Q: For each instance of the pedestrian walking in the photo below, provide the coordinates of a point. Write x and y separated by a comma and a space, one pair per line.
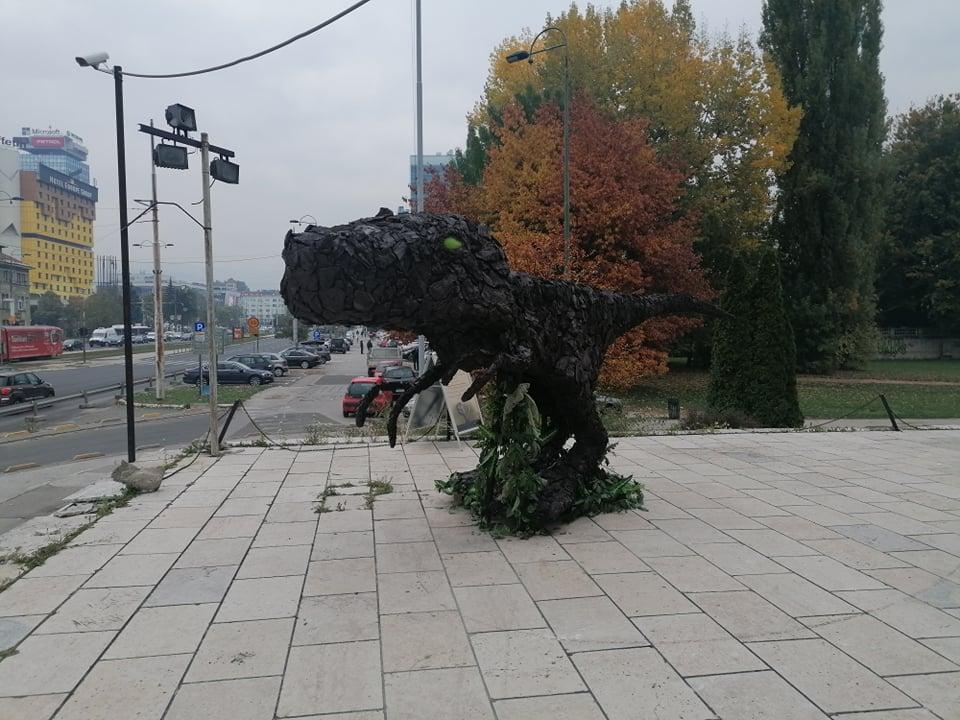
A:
369, 345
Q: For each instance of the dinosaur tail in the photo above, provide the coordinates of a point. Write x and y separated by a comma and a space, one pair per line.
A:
644, 307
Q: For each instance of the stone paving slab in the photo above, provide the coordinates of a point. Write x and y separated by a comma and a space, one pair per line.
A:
780, 576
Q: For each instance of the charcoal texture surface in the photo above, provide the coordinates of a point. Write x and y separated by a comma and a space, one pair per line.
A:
447, 278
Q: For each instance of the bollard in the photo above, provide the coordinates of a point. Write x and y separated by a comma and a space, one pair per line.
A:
673, 408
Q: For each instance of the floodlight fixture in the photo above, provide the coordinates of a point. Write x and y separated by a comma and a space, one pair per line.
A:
180, 117
225, 171
170, 156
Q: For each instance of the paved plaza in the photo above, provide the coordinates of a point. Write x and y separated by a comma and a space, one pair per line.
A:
781, 576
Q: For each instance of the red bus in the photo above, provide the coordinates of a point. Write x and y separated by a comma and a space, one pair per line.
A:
29, 342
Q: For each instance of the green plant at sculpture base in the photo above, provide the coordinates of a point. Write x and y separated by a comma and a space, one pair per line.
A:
503, 492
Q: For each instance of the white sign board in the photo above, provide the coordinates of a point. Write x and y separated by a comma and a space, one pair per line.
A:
465, 416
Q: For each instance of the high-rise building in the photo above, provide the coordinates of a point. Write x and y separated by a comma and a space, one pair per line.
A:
57, 212
432, 165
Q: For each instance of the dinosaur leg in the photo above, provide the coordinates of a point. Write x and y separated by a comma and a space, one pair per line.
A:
581, 464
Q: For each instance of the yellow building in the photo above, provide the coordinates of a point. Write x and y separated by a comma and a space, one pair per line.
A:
57, 214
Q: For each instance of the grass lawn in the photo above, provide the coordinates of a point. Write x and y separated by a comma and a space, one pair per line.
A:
939, 370
825, 400
188, 394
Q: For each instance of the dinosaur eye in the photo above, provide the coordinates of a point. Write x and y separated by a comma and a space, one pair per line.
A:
452, 243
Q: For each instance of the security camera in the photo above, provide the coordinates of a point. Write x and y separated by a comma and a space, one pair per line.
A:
92, 60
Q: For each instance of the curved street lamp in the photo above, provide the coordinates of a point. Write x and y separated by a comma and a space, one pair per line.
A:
300, 221
528, 56
12, 198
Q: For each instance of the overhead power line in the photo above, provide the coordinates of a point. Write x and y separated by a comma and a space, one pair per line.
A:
247, 58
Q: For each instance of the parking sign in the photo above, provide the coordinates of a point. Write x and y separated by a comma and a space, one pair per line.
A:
316, 335
198, 326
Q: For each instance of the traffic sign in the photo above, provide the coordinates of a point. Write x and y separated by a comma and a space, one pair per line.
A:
317, 335
253, 324
198, 327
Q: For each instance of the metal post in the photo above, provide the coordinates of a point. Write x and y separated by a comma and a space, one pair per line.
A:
566, 161
886, 406
296, 333
421, 342
124, 264
211, 314
157, 281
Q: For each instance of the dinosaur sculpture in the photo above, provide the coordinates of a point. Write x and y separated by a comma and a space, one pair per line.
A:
444, 277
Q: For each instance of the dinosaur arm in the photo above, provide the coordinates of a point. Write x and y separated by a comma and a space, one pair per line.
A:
365, 404
523, 360
432, 375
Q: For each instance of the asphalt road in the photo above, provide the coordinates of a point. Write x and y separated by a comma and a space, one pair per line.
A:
69, 377
180, 429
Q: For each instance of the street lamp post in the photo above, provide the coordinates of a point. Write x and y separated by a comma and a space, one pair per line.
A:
98, 62
528, 55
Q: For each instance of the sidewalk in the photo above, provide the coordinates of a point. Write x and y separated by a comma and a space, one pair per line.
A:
789, 577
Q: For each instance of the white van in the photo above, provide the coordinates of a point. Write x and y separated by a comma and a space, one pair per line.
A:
106, 337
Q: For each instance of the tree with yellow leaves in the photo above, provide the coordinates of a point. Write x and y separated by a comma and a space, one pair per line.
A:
713, 108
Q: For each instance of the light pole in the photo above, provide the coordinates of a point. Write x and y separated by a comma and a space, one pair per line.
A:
528, 55
183, 120
421, 340
98, 62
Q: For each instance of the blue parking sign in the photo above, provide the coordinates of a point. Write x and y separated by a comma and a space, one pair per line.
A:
316, 335
198, 327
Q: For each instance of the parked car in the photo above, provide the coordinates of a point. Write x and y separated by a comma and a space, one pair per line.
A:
355, 392
72, 344
230, 373
399, 375
138, 339
303, 358
151, 337
23, 387
317, 347
260, 361
339, 345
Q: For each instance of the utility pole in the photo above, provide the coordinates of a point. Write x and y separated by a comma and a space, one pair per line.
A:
296, 333
421, 342
157, 281
211, 314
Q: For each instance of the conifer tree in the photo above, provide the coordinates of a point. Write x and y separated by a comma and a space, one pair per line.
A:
831, 198
753, 369
770, 391
731, 335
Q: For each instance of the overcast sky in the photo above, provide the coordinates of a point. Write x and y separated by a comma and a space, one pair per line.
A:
326, 125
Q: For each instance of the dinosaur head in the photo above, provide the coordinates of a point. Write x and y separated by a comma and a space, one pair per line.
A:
418, 272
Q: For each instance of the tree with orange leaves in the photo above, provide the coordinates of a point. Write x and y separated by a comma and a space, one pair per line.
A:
629, 231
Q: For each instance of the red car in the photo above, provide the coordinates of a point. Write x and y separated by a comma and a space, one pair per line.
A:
359, 387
